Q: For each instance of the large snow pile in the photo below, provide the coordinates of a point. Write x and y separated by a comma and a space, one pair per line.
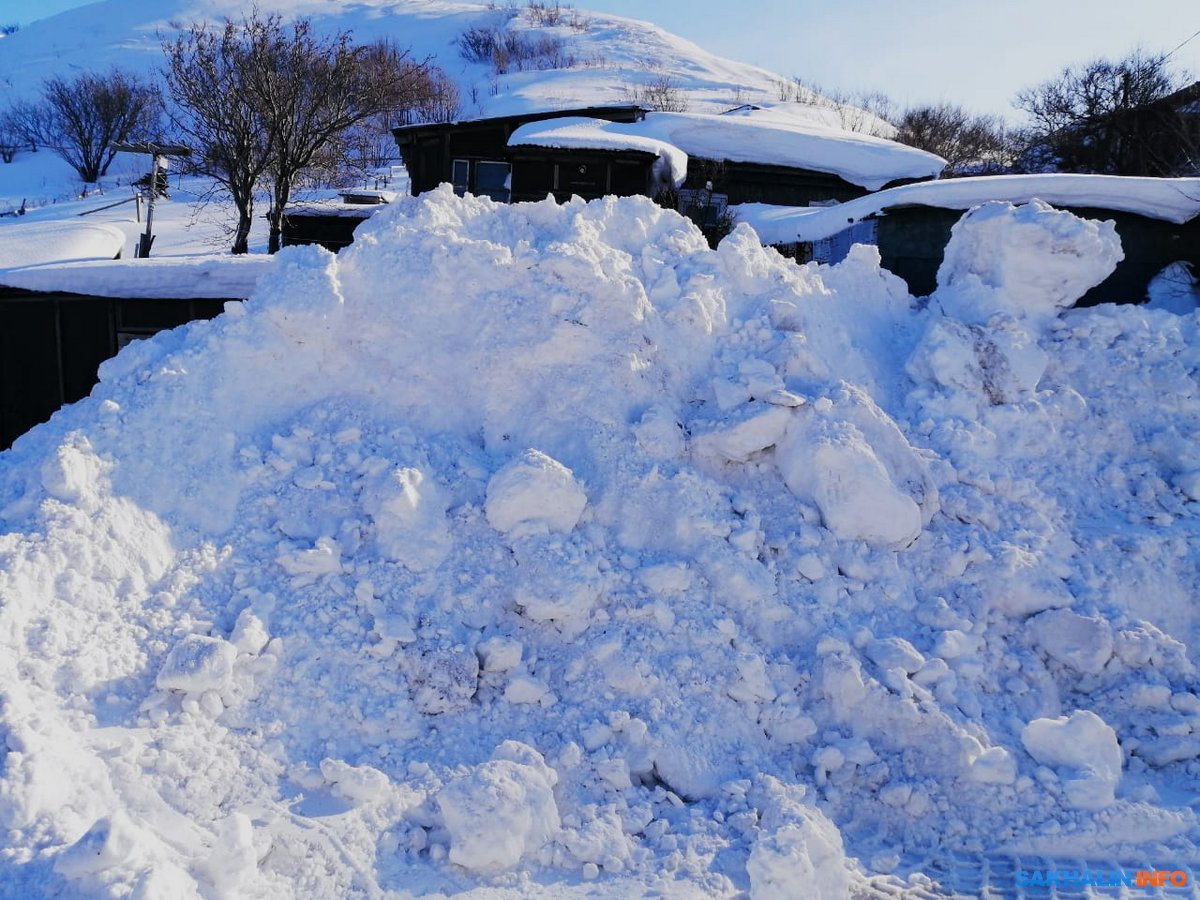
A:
543, 547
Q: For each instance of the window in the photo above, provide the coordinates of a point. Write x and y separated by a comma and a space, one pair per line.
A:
702, 206
493, 179
460, 175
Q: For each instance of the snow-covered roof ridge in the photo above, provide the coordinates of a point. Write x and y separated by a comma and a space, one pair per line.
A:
783, 135
1169, 199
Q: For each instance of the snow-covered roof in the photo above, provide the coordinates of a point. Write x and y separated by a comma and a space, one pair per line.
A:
578, 133
183, 278
1169, 199
777, 135
33, 243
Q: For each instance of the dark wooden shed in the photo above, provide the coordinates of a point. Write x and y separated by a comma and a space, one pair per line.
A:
912, 243
51, 345
474, 156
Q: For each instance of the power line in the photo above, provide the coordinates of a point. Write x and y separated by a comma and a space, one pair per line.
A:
1181, 46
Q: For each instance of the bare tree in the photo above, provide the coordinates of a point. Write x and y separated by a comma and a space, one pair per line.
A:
264, 102
207, 74
371, 145
11, 139
1107, 116
312, 90
970, 144
82, 119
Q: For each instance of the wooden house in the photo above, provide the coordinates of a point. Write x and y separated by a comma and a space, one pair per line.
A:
702, 162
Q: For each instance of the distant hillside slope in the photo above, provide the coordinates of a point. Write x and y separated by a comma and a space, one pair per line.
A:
610, 59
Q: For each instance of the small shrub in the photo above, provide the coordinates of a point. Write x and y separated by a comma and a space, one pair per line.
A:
477, 44
661, 94
546, 13
511, 51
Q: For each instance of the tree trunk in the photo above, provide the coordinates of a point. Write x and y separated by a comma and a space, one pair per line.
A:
241, 235
283, 191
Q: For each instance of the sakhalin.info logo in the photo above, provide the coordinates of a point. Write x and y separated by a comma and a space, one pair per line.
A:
1079, 878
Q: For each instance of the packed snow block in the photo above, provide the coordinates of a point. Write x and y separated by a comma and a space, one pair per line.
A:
1085, 753
500, 811
409, 514
799, 851
534, 494
197, 664
1029, 260
1083, 643
828, 462
750, 429
358, 784
895, 653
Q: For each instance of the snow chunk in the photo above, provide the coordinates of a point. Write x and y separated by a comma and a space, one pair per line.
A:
829, 463
197, 664
1084, 750
799, 851
501, 811
895, 653
1085, 643
995, 765
358, 784
534, 493
249, 633
410, 518
499, 654
756, 427
1024, 260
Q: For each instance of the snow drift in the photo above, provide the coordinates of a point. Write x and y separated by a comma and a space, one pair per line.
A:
539, 545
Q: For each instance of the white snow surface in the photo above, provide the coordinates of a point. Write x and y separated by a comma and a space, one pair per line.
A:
34, 243
776, 134
613, 57
1170, 199
277, 623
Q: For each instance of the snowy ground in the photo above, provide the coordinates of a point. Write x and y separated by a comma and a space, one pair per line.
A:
542, 550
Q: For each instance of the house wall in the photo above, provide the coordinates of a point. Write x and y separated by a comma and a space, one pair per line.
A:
51, 346
332, 230
912, 243
429, 149
566, 174
781, 185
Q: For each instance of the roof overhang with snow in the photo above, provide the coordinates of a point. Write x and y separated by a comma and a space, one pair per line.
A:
1175, 200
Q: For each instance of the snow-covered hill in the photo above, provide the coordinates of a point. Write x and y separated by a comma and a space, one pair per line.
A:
612, 57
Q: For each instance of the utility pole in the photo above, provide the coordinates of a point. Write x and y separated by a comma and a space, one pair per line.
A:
158, 159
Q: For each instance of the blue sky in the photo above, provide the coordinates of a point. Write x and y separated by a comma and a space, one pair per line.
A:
974, 52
